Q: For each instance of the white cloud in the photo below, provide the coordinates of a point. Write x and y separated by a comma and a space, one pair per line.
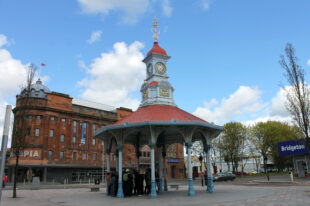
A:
131, 10
3, 40
205, 4
308, 62
246, 105
245, 100
95, 36
113, 76
277, 107
167, 9
12, 76
10, 69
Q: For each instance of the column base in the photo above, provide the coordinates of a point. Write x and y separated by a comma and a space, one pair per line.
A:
165, 185
120, 193
107, 190
191, 191
210, 185
153, 189
160, 189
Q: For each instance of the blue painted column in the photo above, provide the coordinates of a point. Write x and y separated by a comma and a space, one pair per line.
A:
103, 163
153, 181
165, 170
120, 193
191, 191
108, 168
209, 170
160, 186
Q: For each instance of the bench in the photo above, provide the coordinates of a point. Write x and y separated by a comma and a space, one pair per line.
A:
174, 186
95, 189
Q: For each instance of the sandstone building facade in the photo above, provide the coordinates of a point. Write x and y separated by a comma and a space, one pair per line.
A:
59, 143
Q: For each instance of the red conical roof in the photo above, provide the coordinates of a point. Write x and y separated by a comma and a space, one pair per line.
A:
159, 113
157, 49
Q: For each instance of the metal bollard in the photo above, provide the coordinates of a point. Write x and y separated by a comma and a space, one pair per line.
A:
292, 177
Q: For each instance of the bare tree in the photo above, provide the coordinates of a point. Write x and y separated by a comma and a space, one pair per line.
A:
297, 95
20, 126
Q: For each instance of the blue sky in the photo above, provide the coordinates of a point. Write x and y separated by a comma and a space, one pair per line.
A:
225, 54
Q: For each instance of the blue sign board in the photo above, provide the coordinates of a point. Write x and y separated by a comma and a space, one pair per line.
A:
293, 147
174, 160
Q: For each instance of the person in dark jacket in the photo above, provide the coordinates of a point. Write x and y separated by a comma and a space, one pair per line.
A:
148, 181
136, 182
112, 184
129, 184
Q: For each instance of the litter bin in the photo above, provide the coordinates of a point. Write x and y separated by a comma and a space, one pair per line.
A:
35, 183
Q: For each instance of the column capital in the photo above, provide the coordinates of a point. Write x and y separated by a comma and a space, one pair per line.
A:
189, 144
120, 148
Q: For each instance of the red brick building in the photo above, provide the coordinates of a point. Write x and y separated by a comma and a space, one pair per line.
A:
59, 138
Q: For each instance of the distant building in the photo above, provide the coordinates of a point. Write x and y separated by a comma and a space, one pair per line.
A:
59, 137
59, 132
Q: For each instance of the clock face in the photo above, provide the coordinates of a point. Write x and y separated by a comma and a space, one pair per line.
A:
149, 68
160, 68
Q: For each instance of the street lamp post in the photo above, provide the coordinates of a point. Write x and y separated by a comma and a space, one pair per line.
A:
266, 168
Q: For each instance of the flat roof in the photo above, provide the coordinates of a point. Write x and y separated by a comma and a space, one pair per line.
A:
95, 105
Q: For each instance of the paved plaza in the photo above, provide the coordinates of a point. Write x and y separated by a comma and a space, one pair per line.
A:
232, 194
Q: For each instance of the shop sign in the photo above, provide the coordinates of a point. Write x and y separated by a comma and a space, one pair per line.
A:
293, 147
27, 153
173, 160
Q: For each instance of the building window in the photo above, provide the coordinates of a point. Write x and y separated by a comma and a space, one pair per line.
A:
61, 155
37, 132
74, 155
94, 141
39, 117
94, 156
51, 133
94, 128
29, 116
28, 131
63, 119
50, 154
144, 154
52, 117
84, 156
112, 158
84, 132
62, 138
129, 151
148, 154
74, 139
129, 161
74, 127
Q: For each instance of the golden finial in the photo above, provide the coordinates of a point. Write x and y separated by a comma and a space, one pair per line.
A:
155, 30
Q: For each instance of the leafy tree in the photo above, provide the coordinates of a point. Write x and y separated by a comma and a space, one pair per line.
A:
231, 145
265, 137
298, 94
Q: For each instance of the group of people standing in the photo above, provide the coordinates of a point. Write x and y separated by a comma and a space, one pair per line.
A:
134, 182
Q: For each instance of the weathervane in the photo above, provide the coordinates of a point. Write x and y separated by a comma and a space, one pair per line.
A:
155, 30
